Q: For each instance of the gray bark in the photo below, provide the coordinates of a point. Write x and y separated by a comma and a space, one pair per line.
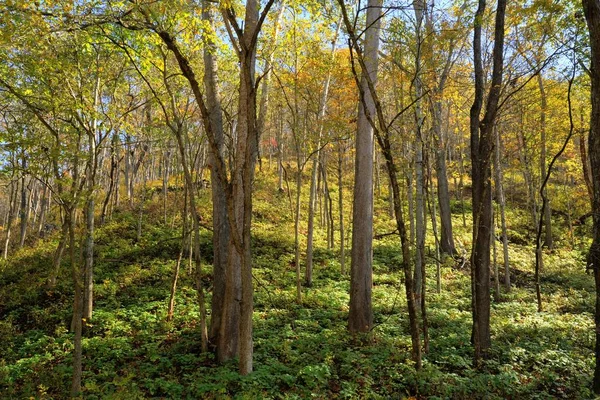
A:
361, 275
548, 240
502, 203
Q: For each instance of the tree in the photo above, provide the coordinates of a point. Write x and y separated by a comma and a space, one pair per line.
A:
361, 268
591, 9
381, 130
482, 146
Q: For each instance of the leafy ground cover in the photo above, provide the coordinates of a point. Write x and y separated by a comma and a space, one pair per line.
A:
301, 351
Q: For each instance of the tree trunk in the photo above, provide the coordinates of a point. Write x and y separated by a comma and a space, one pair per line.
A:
482, 145
419, 9
315, 169
297, 230
44, 205
585, 165
311, 222
221, 229
592, 15
527, 174
12, 207
502, 203
24, 208
443, 193
77, 322
434, 227
184, 217
361, 268
56, 260
548, 240
340, 169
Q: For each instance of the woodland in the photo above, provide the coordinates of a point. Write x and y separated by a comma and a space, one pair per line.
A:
213, 199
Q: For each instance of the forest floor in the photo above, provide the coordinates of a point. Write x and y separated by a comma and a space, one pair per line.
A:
300, 351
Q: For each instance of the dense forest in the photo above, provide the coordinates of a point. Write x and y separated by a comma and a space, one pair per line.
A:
295, 199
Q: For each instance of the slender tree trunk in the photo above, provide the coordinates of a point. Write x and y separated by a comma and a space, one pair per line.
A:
411, 203
279, 140
89, 213
434, 227
502, 204
297, 230
176, 269
419, 9
495, 257
406, 261
45, 202
114, 171
315, 170
24, 208
443, 193
165, 181
12, 207
585, 165
340, 169
308, 272
58, 254
77, 325
460, 189
527, 174
548, 240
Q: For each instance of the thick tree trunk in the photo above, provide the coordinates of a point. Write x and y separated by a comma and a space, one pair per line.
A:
239, 187
221, 229
592, 15
482, 145
361, 269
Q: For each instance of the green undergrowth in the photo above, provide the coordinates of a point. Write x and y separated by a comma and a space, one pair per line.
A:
301, 350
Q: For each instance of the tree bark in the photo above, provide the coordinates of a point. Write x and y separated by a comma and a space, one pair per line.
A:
340, 169
77, 322
592, 14
548, 240
24, 208
221, 229
361, 268
443, 193
12, 210
482, 145
502, 203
